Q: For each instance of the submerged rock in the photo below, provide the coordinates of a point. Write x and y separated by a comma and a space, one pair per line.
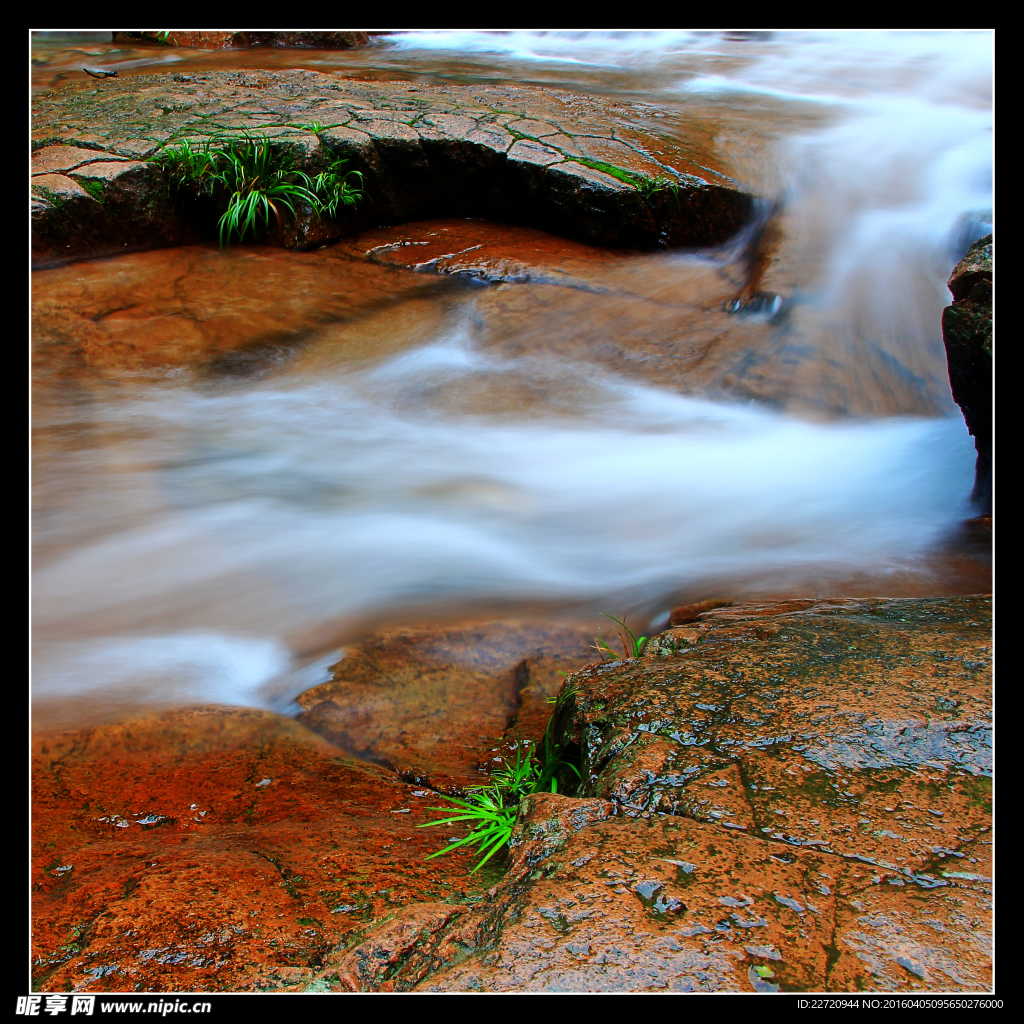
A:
967, 334
194, 306
576, 166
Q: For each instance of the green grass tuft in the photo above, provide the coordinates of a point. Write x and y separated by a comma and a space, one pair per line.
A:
254, 181
632, 646
649, 187
492, 810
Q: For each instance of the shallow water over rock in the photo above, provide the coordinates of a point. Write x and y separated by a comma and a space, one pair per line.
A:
245, 458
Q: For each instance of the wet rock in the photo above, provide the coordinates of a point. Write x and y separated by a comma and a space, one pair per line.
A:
62, 159
691, 612
893, 937
788, 796
219, 849
100, 207
658, 317
668, 904
545, 823
436, 705
394, 955
489, 252
640, 314
967, 334
873, 870
662, 904
197, 306
854, 733
569, 164
860, 727
665, 903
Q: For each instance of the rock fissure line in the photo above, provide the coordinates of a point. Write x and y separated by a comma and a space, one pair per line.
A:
454, 164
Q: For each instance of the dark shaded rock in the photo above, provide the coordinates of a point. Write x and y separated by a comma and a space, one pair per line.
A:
101, 206
967, 334
568, 164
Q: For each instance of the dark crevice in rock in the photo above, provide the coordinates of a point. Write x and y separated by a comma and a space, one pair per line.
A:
458, 161
967, 335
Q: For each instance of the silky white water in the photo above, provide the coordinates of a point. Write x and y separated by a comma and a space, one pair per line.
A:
223, 524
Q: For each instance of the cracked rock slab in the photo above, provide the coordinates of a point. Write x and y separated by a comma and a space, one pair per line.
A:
726, 842
859, 727
543, 158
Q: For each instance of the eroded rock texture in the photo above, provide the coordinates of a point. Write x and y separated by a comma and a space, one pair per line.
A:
218, 849
569, 164
791, 796
784, 796
967, 333
436, 705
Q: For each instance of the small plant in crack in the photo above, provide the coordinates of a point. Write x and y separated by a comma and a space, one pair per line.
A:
255, 180
491, 810
568, 690
632, 645
650, 187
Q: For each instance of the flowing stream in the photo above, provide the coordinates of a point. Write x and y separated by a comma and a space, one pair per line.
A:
216, 536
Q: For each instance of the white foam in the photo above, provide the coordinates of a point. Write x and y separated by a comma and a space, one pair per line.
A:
170, 669
300, 503
260, 510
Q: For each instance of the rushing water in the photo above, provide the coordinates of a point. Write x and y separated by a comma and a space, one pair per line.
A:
203, 539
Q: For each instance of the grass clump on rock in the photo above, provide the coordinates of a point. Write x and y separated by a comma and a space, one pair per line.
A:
632, 645
254, 180
492, 810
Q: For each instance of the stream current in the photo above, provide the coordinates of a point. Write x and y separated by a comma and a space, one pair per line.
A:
216, 536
